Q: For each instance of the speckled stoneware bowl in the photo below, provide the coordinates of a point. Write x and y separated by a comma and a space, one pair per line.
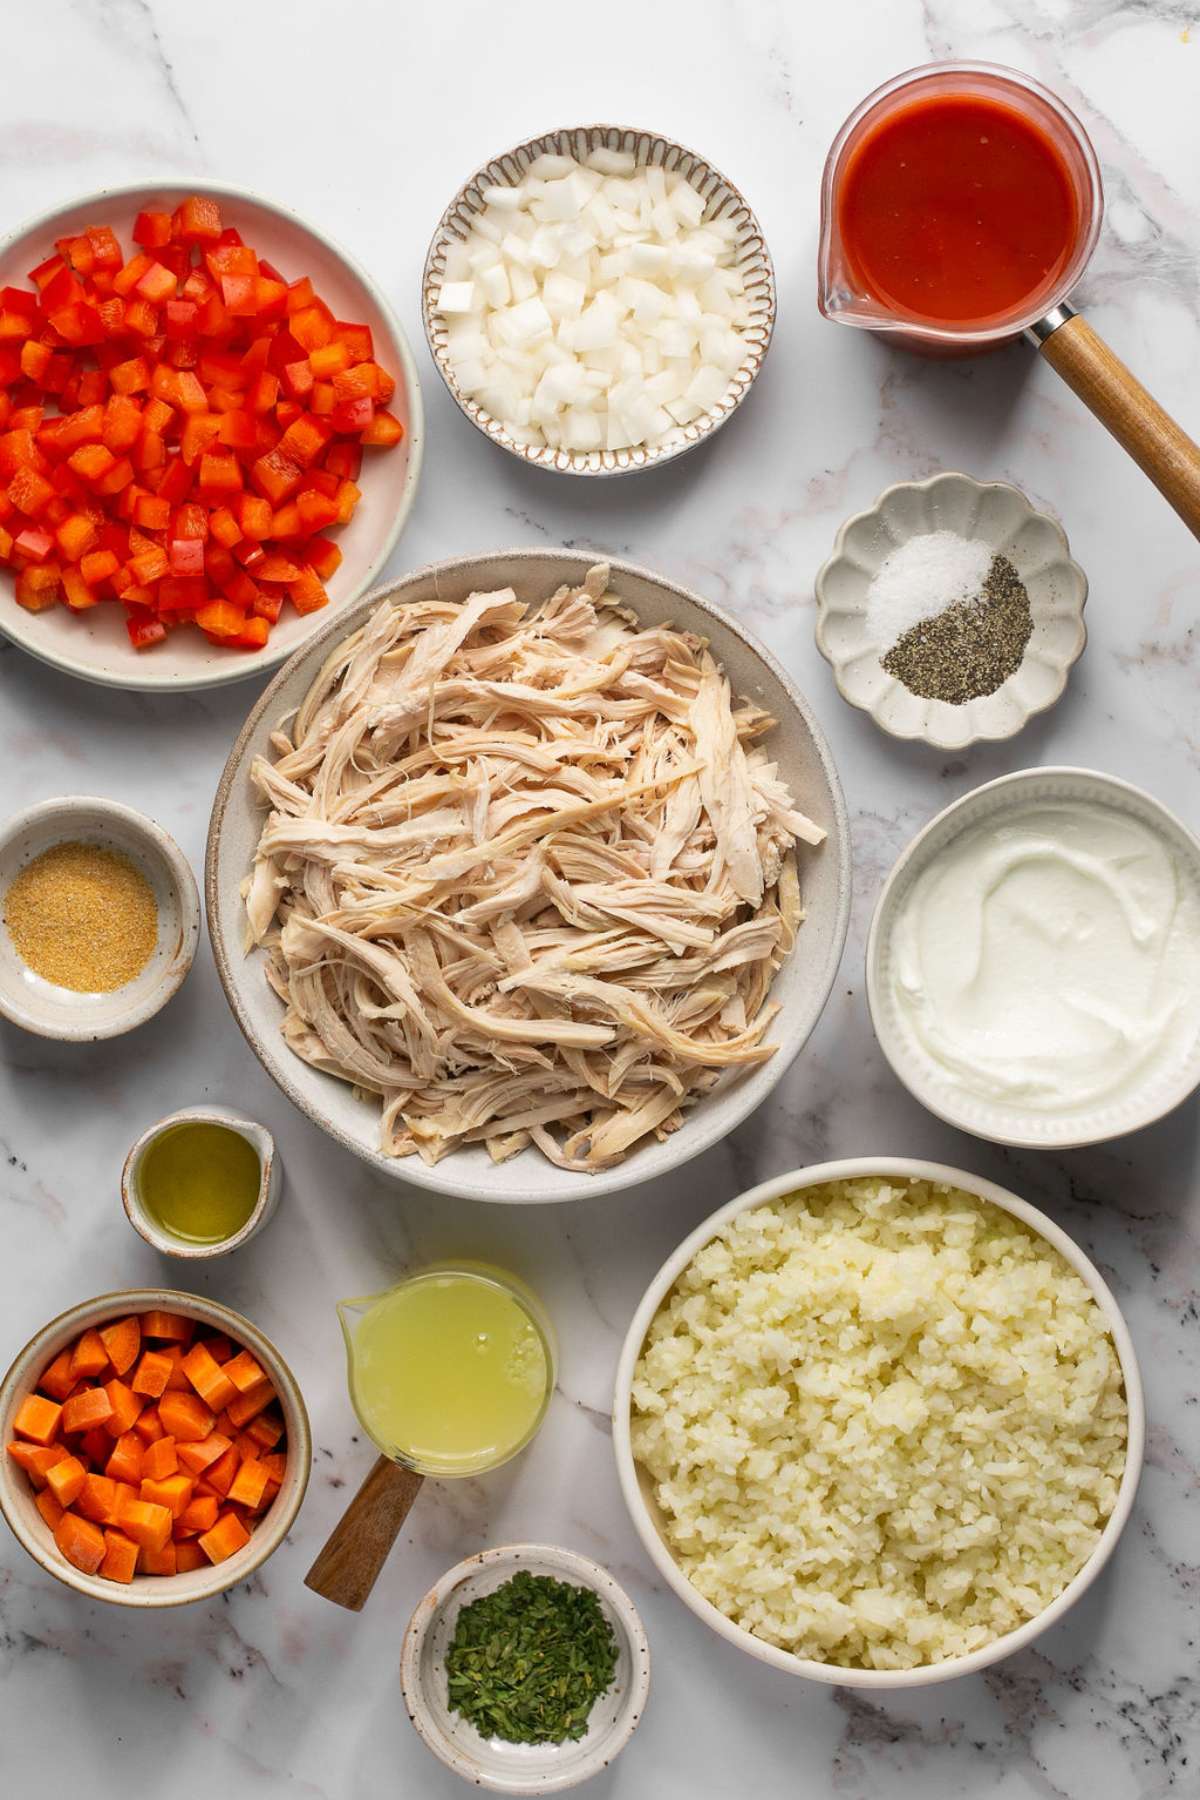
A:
489, 1762
637, 1488
1034, 543
147, 1592
270, 1183
1142, 1099
57, 1012
95, 645
723, 200
801, 987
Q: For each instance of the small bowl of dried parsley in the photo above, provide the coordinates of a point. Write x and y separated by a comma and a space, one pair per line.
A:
99, 918
951, 610
525, 1669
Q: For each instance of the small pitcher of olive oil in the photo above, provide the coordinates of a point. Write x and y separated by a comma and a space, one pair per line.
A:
450, 1372
201, 1182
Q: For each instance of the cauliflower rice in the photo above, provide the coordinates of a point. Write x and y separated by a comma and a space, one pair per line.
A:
885, 1421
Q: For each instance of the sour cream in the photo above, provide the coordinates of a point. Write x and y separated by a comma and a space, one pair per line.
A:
1049, 959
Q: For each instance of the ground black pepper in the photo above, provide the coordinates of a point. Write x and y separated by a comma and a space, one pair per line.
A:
970, 649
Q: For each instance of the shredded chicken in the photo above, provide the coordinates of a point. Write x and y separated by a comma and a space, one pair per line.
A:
526, 875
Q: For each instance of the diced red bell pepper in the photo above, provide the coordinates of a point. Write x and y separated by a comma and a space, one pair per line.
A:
143, 628
198, 220
152, 230
384, 431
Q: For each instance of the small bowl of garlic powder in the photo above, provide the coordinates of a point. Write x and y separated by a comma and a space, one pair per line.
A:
951, 610
598, 299
99, 918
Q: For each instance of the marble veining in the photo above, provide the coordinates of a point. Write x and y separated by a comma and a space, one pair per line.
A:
366, 118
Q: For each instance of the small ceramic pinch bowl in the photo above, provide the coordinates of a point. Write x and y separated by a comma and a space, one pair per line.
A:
638, 1488
1141, 1100
1034, 543
147, 1592
94, 646
269, 1186
489, 1762
722, 201
43, 1007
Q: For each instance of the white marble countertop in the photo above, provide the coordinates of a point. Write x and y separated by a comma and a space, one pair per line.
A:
366, 120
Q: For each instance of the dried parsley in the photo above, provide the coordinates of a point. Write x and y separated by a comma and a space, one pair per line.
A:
972, 647
529, 1660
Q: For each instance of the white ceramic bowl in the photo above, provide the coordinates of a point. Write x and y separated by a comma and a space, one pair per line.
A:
1034, 543
151, 1591
752, 259
489, 1762
801, 987
95, 645
55, 1012
270, 1182
1139, 1104
638, 1489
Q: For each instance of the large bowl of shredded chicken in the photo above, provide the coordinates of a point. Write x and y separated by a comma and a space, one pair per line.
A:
529, 877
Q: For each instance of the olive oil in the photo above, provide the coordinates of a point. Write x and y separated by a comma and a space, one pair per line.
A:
200, 1182
450, 1371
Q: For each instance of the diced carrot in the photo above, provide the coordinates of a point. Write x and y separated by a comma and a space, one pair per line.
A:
126, 1461
49, 1508
248, 1405
199, 1456
189, 1556
149, 1426
98, 1499
214, 1386
126, 1405
226, 1537
185, 1417
95, 1446
57, 1380
65, 1480
38, 1459
147, 1523
92, 1407
219, 1348
249, 1485
199, 1514
174, 1327
221, 1475
90, 1357
37, 1419
122, 1341
81, 1542
173, 1492
160, 1459
266, 1430
120, 1557
177, 1381
158, 1562
153, 1372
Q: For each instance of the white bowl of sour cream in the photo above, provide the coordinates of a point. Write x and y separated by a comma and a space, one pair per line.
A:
1033, 965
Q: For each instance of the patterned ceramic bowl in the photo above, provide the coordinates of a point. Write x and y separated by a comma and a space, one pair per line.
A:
1033, 542
722, 199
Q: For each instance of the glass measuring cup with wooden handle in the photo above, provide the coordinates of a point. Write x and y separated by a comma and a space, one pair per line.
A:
960, 204
450, 1373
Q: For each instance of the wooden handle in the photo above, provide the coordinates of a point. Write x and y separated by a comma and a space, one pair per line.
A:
357, 1548
1156, 443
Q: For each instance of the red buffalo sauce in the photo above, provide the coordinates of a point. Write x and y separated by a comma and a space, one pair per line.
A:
957, 209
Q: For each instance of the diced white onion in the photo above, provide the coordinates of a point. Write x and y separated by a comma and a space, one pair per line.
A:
592, 306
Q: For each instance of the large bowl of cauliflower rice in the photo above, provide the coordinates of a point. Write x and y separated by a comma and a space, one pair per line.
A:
878, 1422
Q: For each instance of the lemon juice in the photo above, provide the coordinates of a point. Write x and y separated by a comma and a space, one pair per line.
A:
450, 1371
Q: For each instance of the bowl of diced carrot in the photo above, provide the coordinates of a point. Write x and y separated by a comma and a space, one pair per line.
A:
210, 432
156, 1447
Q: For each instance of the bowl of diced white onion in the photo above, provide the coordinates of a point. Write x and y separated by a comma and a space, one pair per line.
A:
598, 299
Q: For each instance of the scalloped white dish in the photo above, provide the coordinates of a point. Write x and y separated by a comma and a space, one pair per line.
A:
722, 200
1003, 517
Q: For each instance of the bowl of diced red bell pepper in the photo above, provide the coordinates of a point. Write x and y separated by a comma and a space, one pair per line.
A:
154, 1448
210, 432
